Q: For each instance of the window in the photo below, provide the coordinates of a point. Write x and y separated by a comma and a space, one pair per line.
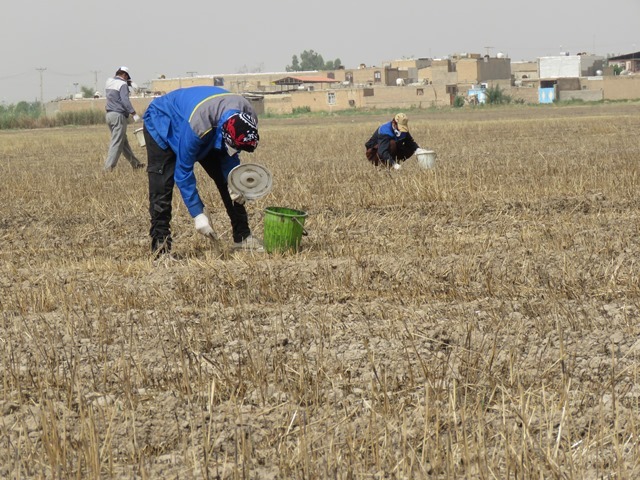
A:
420, 91
348, 77
218, 82
377, 76
331, 98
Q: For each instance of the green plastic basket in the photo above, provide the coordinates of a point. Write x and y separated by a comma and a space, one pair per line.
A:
283, 229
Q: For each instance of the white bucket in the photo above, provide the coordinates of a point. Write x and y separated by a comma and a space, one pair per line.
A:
140, 136
426, 158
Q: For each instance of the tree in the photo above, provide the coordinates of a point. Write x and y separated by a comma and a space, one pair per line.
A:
295, 65
87, 92
311, 60
333, 64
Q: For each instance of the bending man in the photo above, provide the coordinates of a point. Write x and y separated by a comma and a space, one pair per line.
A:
205, 125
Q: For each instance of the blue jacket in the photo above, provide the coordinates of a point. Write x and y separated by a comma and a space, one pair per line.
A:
189, 122
381, 139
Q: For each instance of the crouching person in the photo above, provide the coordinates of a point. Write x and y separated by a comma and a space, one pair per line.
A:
391, 144
205, 125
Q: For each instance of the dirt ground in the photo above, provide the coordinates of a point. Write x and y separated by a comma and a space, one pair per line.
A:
476, 320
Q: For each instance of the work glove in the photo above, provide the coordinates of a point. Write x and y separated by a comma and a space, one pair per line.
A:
136, 117
203, 226
237, 197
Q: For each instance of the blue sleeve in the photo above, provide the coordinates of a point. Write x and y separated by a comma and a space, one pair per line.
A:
190, 149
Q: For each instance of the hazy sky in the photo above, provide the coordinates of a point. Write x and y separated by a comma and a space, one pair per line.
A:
84, 41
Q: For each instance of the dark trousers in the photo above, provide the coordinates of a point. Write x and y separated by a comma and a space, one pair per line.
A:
161, 165
399, 152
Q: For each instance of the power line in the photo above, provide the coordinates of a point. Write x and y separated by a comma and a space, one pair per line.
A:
67, 74
15, 75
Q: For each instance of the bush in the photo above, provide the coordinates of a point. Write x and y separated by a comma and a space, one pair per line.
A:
30, 115
301, 110
495, 96
458, 101
82, 117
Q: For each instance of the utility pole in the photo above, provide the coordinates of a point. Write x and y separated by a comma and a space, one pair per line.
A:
41, 70
95, 80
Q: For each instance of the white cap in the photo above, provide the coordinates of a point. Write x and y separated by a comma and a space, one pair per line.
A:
124, 69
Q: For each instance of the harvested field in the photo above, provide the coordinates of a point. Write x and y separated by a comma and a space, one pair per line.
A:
477, 320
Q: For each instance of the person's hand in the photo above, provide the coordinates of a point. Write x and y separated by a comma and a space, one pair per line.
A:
397, 166
136, 117
203, 226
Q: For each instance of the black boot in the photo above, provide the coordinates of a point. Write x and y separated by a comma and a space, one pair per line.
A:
160, 246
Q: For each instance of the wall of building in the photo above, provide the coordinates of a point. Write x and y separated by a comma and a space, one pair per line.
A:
367, 75
523, 94
377, 97
584, 95
590, 64
439, 81
250, 82
491, 69
568, 84
467, 70
408, 63
559, 66
80, 105
423, 96
278, 104
484, 69
318, 100
620, 87
524, 70
569, 66
441, 72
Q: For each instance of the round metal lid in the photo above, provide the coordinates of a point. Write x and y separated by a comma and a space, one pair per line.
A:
251, 180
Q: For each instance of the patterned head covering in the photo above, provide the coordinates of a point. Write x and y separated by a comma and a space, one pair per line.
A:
240, 131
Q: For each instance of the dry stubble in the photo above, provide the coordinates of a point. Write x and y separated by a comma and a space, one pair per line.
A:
476, 320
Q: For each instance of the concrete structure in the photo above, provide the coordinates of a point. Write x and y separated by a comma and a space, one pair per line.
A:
562, 73
408, 68
629, 63
408, 83
351, 98
524, 74
240, 82
619, 87
569, 66
460, 73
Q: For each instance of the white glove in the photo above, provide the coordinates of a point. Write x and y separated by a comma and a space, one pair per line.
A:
237, 197
136, 117
203, 226
397, 166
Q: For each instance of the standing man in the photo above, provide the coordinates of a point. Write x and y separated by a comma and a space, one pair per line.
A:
118, 110
205, 125
391, 143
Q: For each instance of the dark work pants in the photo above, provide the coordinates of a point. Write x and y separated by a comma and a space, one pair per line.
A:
236, 212
161, 166
399, 152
